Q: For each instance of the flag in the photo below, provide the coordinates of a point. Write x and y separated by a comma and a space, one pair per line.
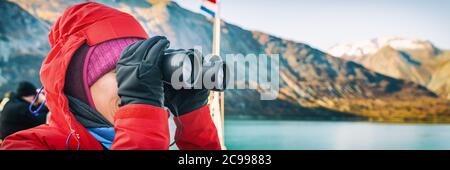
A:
210, 7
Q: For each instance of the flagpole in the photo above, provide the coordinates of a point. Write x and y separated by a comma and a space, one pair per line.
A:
218, 96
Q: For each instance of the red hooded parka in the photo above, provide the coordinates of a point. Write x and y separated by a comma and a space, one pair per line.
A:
137, 126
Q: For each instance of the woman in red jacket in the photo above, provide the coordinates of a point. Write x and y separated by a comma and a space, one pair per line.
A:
104, 90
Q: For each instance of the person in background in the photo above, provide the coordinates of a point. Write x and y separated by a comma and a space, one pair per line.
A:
16, 115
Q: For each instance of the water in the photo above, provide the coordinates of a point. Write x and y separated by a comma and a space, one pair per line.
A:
299, 135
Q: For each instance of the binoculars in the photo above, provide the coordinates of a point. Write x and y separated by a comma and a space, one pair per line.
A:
188, 69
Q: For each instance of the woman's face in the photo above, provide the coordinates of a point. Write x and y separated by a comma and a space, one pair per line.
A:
105, 95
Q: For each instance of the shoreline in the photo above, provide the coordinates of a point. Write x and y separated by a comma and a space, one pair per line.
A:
361, 119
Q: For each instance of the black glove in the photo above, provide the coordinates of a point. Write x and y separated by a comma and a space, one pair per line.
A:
184, 101
139, 74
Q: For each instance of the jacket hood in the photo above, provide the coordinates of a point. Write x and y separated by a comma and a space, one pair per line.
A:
90, 23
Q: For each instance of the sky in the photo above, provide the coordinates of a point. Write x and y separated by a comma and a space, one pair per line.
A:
324, 23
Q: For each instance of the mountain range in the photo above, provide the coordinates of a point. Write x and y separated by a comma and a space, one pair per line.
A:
403, 58
314, 84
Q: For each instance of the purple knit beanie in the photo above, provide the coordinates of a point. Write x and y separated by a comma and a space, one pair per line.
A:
89, 64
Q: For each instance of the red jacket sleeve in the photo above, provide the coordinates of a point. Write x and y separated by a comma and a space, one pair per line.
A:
37, 138
141, 127
198, 131
22, 141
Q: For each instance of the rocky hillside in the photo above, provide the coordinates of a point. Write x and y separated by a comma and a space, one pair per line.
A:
314, 85
23, 43
441, 80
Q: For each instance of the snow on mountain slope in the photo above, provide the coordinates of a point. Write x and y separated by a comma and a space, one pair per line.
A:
356, 50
